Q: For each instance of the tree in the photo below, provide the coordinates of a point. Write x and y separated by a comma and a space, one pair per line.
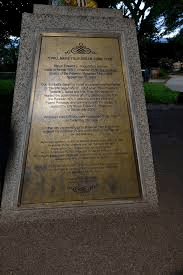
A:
11, 15
174, 17
11, 10
147, 12
147, 15
176, 44
107, 3
9, 51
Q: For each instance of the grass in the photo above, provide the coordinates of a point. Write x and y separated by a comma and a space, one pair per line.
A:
6, 91
179, 72
6, 87
159, 93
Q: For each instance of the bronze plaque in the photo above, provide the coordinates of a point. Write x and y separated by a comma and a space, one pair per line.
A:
80, 147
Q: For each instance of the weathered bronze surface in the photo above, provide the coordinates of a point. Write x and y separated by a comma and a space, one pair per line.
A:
80, 145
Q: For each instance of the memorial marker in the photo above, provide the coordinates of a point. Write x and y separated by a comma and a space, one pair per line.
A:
80, 144
79, 134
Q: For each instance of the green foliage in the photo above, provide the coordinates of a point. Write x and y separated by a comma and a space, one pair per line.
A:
7, 76
177, 45
9, 10
144, 12
164, 74
8, 56
166, 64
159, 93
179, 72
178, 39
173, 14
6, 87
62, 2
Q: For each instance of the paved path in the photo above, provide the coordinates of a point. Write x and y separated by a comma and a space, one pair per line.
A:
157, 80
175, 83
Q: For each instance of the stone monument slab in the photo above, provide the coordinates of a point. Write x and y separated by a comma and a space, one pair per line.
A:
79, 119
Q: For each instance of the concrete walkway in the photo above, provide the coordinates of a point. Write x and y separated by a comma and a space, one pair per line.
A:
175, 83
157, 80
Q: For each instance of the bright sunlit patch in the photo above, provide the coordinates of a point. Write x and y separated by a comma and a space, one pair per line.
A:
142, 5
119, 5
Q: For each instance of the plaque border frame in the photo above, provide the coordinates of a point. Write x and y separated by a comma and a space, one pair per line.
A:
29, 120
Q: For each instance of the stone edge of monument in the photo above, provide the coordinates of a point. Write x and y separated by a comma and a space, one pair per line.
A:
74, 11
64, 22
